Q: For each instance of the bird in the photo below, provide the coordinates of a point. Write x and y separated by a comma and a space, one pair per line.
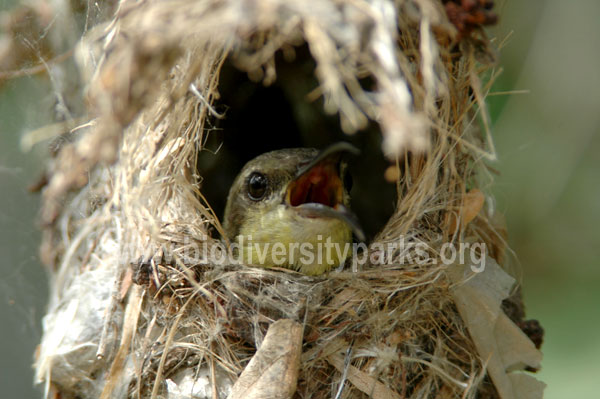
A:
287, 207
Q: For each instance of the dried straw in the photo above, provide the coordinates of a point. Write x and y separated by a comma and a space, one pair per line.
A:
133, 314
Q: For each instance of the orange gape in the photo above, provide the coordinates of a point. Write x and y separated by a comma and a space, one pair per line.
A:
321, 185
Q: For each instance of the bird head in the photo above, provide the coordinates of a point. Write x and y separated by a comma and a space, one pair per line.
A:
293, 194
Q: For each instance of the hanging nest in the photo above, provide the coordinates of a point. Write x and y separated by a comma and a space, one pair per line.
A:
140, 308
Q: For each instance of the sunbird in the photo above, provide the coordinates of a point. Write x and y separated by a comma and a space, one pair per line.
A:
287, 206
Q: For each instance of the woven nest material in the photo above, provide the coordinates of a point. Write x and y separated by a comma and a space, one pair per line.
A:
139, 309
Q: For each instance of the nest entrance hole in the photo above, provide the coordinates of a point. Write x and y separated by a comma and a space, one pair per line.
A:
259, 118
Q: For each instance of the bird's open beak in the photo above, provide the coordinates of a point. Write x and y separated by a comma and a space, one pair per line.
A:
317, 189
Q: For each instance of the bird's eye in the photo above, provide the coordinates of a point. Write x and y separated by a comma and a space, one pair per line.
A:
257, 186
348, 181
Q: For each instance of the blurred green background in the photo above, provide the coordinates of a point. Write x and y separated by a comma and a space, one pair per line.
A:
548, 143
549, 188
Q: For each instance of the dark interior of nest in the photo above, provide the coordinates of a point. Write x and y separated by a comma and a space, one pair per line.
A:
259, 118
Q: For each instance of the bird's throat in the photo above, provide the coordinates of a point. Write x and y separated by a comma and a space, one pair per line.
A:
282, 238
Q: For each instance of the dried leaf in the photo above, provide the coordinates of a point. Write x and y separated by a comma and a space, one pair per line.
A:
499, 342
132, 313
273, 371
363, 381
472, 202
527, 386
517, 350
